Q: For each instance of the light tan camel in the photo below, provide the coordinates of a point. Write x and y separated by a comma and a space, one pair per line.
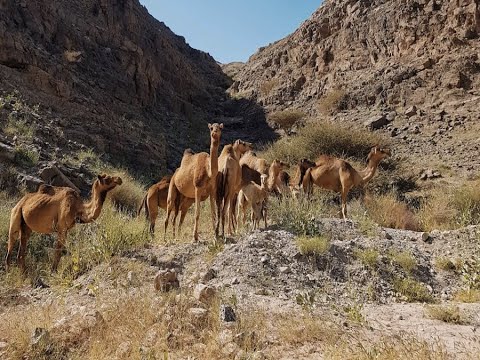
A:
296, 182
256, 196
54, 209
229, 182
273, 182
338, 175
251, 160
156, 197
196, 178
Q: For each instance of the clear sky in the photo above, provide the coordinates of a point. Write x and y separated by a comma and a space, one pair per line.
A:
231, 30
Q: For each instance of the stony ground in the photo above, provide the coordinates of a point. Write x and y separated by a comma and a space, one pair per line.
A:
264, 271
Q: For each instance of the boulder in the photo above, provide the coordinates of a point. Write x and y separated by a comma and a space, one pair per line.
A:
204, 293
165, 280
53, 176
376, 122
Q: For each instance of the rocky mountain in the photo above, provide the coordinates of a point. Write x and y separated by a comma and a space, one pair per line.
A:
108, 76
410, 67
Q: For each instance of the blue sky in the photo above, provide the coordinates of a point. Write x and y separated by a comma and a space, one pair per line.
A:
231, 30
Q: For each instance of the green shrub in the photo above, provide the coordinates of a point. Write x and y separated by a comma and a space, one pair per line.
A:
448, 314
26, 157
445, 264
317, 245
286, 118
404, 259
321, 137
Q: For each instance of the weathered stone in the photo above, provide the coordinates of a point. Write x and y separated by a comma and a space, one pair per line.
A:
53, 176
376, 122
227, 313
198, 314
7, 153
412, 110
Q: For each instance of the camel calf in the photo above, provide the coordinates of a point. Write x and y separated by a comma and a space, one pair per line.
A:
256, 196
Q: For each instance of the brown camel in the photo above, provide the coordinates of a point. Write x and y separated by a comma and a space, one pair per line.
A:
54, 209
229, 182
339, 176
196, 178
251, 160
156, 197
273, 182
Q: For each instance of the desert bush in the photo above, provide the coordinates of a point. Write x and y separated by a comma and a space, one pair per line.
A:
316, 245
445, 264
387, 211
286, 118
330, 103
19, 124
321, 137
368, 257
26, 157
298, 215
267, 86
129, 195
404, 259
412, 290
467, 295
448, 314
452, 208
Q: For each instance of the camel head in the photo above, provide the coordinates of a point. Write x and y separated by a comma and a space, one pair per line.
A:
263, 180
242, 146
106, 182
215, 131
305, 164
377, 153
279, 165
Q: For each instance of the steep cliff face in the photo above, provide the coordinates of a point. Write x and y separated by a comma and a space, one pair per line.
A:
110, 77
378, 57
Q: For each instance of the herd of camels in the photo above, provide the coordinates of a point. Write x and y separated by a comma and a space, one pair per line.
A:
235, 181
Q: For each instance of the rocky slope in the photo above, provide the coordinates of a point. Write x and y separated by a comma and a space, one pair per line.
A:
108, 76
354, 60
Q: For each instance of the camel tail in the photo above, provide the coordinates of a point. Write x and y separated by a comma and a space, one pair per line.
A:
142, 205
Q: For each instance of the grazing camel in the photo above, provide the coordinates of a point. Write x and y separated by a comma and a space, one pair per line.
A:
274, 171
295, 184
256, 196
338, 175
196, 178
156, 197
251, 160
229, 182
54, 209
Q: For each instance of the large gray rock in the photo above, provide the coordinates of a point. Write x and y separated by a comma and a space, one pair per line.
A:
53, 176
376, 122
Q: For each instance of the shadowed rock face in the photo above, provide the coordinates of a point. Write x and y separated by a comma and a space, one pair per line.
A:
113, 78
376, 57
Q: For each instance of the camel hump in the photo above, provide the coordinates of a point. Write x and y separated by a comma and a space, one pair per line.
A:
164, 183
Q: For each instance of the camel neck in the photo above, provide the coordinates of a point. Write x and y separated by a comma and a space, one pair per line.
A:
369, 171
214, 158
272, 175
237, 152
93, 208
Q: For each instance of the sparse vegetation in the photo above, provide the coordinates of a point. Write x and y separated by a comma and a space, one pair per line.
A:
452, 208
368, 257
322, 137
129, 195
404, 259
267, 86
26, 157
287, 118
354, 313
412, 290
445, 264
446, 313
317, 245
330, 103
468, 296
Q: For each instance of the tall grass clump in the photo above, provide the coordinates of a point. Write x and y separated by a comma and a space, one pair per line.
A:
313, 245
322, 137
285, 119
129, 195
331, 102
452, 208
412, 290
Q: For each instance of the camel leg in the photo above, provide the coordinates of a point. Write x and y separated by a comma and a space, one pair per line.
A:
344, 203
197, 213
12, 238
213, 200
58, 249
153, 213
264, 212
24, 236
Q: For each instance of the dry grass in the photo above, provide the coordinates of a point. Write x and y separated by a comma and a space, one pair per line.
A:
446, 313
412, 290
285, 119
317, 245
388, 212
445, 264
468, 296
267, 87
322, 137
129, 195
404, 259
330, 103
452, 208
368, 257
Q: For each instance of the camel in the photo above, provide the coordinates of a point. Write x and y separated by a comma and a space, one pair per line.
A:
273, 182
256, 196
339, 176
196, 178
251, 160
229, 182
54, 209
156, 197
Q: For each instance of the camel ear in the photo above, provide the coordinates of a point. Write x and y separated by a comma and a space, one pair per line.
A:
210, 126
238, 142
100, 178
221, 126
